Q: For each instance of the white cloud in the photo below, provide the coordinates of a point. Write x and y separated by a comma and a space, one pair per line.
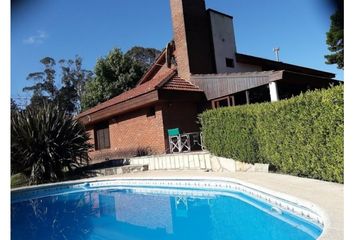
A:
37, 38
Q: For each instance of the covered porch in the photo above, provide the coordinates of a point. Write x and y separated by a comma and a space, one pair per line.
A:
231, 89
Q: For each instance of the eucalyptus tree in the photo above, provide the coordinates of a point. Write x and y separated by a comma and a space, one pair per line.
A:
64, 89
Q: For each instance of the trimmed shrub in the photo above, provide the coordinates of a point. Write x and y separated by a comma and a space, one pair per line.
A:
229, 132
302, 136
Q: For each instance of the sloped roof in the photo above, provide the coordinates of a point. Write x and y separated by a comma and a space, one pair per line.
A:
268, 64
165, 78
146, 87
223, 84
179, 84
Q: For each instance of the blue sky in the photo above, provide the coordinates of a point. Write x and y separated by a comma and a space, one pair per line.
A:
90, 28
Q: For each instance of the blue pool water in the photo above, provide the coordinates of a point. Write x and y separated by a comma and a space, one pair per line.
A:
150, 213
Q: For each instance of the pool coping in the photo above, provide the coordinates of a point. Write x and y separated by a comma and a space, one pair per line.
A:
234, 178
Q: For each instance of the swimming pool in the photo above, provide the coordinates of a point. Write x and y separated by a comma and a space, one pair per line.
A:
158, 209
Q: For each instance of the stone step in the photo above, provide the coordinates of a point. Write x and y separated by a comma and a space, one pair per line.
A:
122, 170
135, 168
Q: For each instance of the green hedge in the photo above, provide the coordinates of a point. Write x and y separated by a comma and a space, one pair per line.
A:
302, 136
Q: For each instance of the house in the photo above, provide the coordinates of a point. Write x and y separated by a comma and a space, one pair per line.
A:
199, 69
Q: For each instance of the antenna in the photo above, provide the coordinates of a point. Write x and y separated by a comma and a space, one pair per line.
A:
276, 51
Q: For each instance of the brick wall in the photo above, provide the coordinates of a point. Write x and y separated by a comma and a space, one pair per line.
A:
182, 115
181, 52
131, 131
135, 130
192, 36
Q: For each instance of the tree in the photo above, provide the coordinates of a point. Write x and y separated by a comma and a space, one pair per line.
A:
335, 39
44, 89
144, 56
46, 143
114, 74
73, 81
67, 93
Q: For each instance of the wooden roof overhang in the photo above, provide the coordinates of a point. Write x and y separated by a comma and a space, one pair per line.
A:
268, 64
221, 85
314, 81
141, 101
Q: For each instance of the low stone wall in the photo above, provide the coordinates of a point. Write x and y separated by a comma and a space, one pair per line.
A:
121, 169
196, 161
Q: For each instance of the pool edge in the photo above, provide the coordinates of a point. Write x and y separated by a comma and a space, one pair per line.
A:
325, 221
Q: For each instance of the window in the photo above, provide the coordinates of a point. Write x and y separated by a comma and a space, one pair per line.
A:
223, 102
102, 136
151, 112
230, 63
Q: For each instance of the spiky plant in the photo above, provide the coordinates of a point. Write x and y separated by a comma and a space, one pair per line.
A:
47, 144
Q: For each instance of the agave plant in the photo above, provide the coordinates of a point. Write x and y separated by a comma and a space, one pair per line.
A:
47, 144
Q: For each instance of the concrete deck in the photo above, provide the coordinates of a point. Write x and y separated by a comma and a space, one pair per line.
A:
325, 195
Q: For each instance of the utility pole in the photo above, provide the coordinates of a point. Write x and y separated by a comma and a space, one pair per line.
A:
276, 51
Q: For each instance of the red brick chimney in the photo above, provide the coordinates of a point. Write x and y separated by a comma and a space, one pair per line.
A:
192, 36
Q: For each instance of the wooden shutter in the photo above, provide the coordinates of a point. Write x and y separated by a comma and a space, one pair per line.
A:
106, 138
102, 140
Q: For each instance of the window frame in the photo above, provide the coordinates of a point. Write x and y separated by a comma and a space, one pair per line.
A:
216, 102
